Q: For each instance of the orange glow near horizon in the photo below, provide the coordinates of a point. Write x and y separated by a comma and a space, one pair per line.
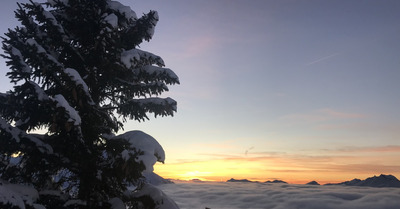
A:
292, 169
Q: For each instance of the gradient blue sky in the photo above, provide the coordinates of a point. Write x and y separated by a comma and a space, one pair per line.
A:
286, 86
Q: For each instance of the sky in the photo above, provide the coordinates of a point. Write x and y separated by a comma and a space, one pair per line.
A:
274, 89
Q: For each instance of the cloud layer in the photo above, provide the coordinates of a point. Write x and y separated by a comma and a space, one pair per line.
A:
222, 195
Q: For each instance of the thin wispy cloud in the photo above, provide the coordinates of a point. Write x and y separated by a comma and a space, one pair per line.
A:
322, 115
198, 45
379, 149
365, 168
342, 115
322, 59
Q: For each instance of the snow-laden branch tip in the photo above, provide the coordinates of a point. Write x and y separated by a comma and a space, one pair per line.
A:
41, 50
17, 53
53, 2
17, 135
112, 20
131, 58
140, 141
41, 95
18, 195
159, 71
122, 9
72, 113
77, 79
153, 24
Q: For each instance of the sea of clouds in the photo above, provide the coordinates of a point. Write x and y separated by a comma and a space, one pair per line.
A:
235, 195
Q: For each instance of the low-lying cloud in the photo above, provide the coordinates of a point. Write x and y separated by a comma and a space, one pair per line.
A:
224, 195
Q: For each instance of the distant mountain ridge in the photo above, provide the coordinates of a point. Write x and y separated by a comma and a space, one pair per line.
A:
276, 181
313, 183
248, 181
375, 181
241, 180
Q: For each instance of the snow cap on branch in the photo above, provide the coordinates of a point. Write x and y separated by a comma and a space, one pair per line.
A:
161, 200
142, 142
112, 20
72, 113
153, 22
16, 53
131, 58
123, 10
18, 195
53, 2
17, 135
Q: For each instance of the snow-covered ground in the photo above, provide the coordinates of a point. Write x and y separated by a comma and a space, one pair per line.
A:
234, 195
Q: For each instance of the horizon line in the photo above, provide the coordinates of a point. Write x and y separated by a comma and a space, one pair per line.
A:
323, 182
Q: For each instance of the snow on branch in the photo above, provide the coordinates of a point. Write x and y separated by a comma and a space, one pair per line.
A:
153, 19
41, 95
146, 25
122, 9
144, 89
77, 79
12, 131
112, 20
117, 203
136, 57
72, 113
18, 135
75, 203
137, 108
17, 56
42, 51
49, 18
53, 21
157, 102
18, 196
54, 2
143, 143
159, 73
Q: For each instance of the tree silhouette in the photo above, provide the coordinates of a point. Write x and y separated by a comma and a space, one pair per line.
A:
78, 75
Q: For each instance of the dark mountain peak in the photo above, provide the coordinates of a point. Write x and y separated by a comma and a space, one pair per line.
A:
388, 177
353, 182
381, 181
313, 183
375, 181
276, 181
238, 180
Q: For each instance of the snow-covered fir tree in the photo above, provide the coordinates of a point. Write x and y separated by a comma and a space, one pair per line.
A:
78, 74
